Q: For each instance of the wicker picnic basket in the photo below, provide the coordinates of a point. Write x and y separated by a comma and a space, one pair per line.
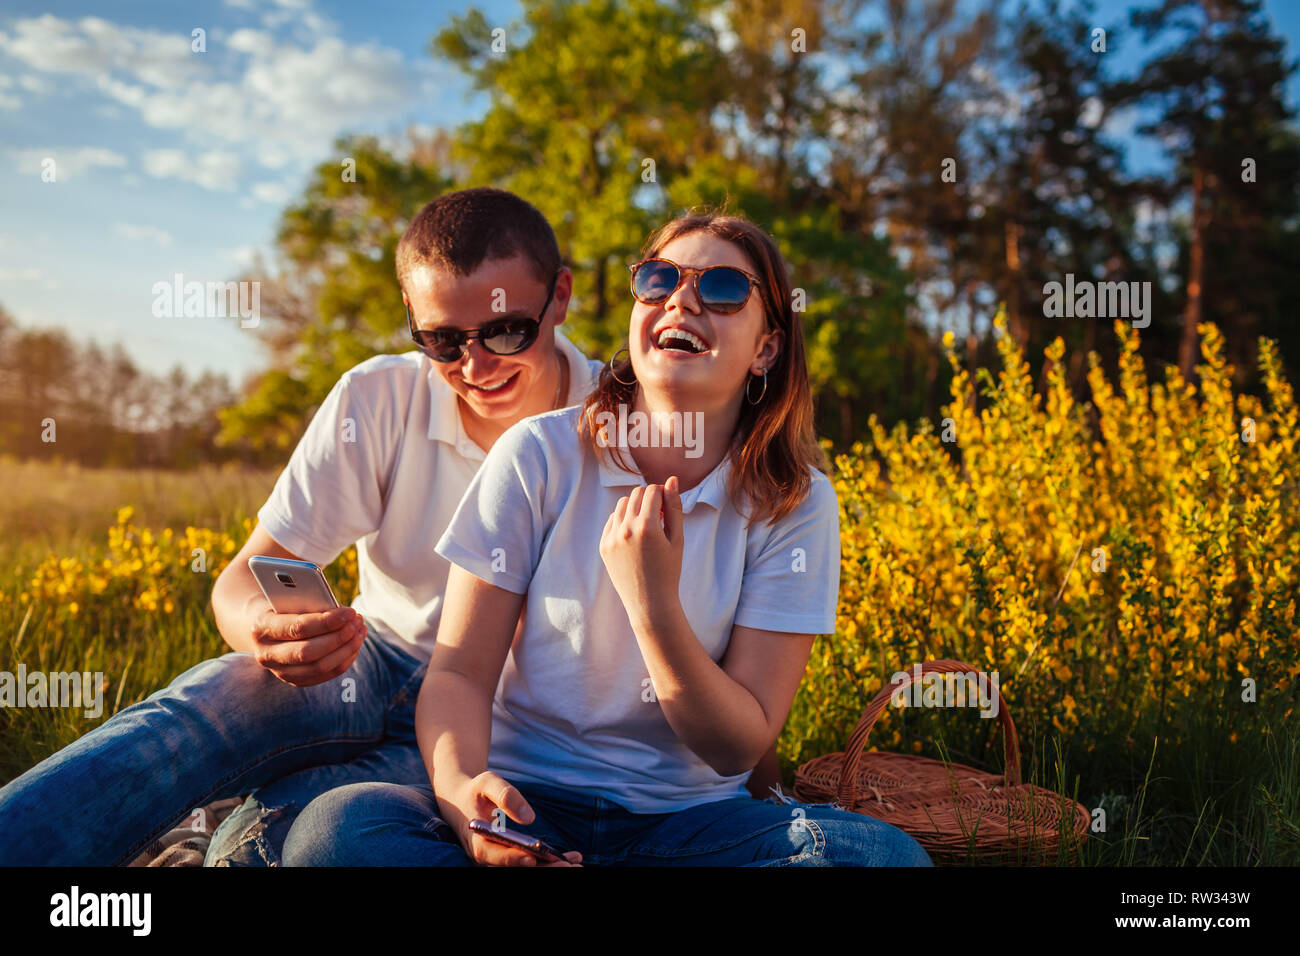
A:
958, 813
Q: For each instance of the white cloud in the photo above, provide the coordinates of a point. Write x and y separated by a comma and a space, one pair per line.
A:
256, 42
133, 96
274, 193
255, 88
242, 256
68, 160
273, 155
93, 46
211, 170
252, 4
149, 233
20, 275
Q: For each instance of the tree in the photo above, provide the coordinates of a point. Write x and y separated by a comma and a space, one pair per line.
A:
1219, 88
334, 301
593, 107
1059, 199
582, 123
905, 154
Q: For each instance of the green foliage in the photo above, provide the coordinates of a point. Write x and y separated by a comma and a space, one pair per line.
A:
580, 108
612, 117
336, 303
270, 417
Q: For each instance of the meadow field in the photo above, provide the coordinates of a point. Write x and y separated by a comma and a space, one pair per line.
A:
1135, 589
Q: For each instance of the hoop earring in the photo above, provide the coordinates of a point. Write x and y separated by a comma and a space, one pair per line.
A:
748, 382
614, 375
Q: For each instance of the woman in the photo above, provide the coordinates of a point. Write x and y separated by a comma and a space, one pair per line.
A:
623, 713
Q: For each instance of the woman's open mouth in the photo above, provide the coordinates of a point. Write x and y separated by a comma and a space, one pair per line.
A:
680, 341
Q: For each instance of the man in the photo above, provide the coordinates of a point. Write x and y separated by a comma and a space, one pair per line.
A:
317, 701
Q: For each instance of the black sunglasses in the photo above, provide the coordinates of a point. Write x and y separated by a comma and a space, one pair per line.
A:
722, 289
503, 337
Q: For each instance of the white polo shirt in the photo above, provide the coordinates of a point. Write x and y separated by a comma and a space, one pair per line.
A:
384, 464
574, 706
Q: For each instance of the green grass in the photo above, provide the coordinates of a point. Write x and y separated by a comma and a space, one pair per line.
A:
1182, 795
66, 510
60, 508
1192, 798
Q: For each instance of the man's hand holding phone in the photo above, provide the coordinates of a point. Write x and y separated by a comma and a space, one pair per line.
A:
308, 649
477, 798
304, 637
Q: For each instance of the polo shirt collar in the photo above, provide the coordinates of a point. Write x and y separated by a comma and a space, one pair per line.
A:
445, 423
444, 416
711, 491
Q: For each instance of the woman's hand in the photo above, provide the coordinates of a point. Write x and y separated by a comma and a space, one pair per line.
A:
642, 548
478, 798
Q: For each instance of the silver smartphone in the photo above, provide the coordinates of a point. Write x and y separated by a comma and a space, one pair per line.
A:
292, 587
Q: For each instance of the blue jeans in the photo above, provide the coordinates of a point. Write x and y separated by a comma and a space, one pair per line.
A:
224, 727
384, 824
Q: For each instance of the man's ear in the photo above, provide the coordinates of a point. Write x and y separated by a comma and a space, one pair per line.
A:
563, 293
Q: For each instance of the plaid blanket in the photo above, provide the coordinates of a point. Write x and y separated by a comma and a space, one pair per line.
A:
186, 843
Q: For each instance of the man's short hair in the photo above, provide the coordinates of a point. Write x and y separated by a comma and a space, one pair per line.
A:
459, 230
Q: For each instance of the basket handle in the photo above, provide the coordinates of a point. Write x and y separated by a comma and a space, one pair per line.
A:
848, 789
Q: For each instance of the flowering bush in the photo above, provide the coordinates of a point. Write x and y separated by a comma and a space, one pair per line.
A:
1116, 577
140, 570
1112, 581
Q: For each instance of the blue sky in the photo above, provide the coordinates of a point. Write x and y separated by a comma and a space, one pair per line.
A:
172, 161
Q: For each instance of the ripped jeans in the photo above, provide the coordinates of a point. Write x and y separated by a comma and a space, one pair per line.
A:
382, 824
225, 727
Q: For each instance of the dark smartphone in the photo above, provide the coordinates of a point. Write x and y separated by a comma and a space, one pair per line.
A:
521, 841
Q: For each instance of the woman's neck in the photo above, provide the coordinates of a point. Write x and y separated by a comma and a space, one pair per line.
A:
686, 443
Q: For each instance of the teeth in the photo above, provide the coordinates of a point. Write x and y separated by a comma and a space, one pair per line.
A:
491, 388
694, 341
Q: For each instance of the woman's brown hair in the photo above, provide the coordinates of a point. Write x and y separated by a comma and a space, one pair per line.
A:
774, 443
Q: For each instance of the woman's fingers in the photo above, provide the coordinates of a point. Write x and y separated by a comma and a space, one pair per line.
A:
485, 852
672, 509
496, 792
634, 500
504, 795
652, 504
